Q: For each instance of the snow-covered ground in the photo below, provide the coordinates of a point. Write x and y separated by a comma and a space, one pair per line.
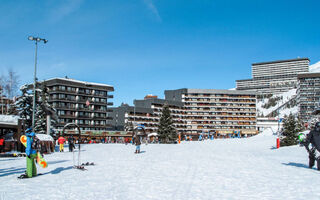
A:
247, 168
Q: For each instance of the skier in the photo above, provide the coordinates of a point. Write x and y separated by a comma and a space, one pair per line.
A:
314, 153
31, 154
71, 143
137, 142
61, 141
1, 144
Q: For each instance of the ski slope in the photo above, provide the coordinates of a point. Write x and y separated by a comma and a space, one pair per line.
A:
315, 67
247, 168
286, 96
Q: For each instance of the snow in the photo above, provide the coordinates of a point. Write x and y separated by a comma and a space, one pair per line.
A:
246, 168
44, 137
152, 134
286, 96
315, 67
82, 82
9, 119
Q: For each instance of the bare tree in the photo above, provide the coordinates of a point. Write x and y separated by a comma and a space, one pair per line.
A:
2, 85
11, 83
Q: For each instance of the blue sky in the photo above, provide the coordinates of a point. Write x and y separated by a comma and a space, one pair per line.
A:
147, 46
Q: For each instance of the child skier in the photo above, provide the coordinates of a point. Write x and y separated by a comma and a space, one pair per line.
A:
31, 154
314, 153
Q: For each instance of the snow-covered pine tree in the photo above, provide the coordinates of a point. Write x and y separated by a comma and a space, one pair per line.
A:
40, 124
300, 124
24, 106
128, 126
42, 109
13, 109
291, 127
166, 131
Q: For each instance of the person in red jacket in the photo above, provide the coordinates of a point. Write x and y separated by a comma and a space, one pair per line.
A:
61, 141
1, 144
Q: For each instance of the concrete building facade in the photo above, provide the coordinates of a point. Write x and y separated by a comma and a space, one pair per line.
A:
275, 76
308, 94
147, 113
80, 102
217, 111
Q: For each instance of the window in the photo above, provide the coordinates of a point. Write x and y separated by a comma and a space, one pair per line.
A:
61, 112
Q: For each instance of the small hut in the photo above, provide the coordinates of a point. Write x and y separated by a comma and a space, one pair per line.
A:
10, 129
47, 143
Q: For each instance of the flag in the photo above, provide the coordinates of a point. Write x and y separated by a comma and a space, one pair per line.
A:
88, 102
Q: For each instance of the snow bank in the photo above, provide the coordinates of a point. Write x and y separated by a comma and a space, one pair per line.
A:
44, 137
9, 119
268, 131
315, 67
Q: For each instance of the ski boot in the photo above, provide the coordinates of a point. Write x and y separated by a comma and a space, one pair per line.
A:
311, 161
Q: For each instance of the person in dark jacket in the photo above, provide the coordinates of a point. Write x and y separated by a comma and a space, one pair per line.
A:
137, 142
71, 143
313, 138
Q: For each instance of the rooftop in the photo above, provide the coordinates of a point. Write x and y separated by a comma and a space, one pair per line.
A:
53, 81
281, 61
309, 75
214, 91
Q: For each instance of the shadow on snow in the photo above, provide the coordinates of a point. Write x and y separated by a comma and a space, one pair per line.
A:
58, 170
11, 170
296, 165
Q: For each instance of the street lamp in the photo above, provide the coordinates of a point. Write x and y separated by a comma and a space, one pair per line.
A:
36, 39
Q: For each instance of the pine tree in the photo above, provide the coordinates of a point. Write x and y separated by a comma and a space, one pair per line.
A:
42, 109
128, 126
13, 109
291, 127
24, 106
166, 131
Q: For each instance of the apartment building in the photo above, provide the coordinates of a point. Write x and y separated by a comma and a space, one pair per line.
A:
80, 102
217, 111
147, 113
308, 94
5, 104
275, 76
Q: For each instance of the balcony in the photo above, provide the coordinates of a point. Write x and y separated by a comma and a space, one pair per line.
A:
67, 116
62, 91
85, 109
65, 107
61, 99
84, 117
